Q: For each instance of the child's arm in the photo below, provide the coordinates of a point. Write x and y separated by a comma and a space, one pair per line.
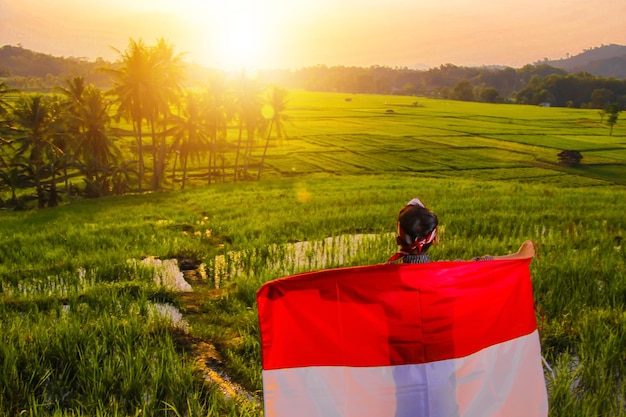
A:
527, 250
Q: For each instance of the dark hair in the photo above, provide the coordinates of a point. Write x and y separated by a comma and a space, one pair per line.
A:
417, 222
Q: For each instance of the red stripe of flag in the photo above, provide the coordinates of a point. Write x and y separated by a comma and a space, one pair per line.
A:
393, 314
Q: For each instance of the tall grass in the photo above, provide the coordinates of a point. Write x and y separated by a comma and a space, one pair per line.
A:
111, 354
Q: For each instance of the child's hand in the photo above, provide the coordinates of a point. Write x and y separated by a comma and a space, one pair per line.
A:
527, 250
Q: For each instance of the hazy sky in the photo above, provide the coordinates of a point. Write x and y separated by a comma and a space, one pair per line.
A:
299, 33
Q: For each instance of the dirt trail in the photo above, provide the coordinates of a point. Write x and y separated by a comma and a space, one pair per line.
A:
208, 359
209, 363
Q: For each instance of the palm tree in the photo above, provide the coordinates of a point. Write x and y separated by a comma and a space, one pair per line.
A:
36, 116
132, 86
4, 144
110, 179
73, 93
189, 131
5, 111
14, 177
277, 104
248, 102
169, 74
121, 172
219, 108
94, 142
145, 86
5, 106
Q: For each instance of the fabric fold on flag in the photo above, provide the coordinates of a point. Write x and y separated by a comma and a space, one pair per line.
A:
437, 339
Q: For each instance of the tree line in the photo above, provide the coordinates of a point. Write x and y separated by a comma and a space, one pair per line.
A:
531, 84
70, 142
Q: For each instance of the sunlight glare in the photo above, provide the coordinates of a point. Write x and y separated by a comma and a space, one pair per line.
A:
268, 112
237, 34
240, 45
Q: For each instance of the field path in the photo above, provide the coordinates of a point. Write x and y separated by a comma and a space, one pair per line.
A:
208, 358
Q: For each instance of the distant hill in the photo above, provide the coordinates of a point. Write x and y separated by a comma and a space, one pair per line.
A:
27, 70
16, 61
19, 62
605, 60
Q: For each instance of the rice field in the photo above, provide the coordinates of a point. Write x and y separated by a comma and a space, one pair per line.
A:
327, 134
96, 319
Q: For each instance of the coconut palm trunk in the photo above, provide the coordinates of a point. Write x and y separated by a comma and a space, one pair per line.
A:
267, 142
238, 152
139, 156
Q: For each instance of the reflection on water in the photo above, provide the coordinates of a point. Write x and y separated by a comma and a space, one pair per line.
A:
167, 273
171, 313
269, 261
291, 258
59, 285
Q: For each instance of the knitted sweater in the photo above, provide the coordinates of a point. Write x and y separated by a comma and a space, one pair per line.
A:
424, 259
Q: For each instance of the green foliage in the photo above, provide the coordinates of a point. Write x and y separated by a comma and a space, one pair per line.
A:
612, 110
110, 354
572, 90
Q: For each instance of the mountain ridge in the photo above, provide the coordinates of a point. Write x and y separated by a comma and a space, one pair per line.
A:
606, 60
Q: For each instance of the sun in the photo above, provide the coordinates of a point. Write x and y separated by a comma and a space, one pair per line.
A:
242, 45
233, 34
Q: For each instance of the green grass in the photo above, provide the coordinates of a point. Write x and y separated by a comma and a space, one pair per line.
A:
331, 135
618, 154
79, 329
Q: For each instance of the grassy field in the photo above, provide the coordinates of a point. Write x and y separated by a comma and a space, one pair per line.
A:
82, 317
337, 134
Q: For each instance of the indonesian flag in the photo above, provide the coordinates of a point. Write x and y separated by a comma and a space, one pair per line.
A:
431, 340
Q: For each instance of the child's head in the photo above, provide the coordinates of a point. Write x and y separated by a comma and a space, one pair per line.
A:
417, 227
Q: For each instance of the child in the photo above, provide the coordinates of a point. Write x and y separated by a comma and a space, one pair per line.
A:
417, 231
